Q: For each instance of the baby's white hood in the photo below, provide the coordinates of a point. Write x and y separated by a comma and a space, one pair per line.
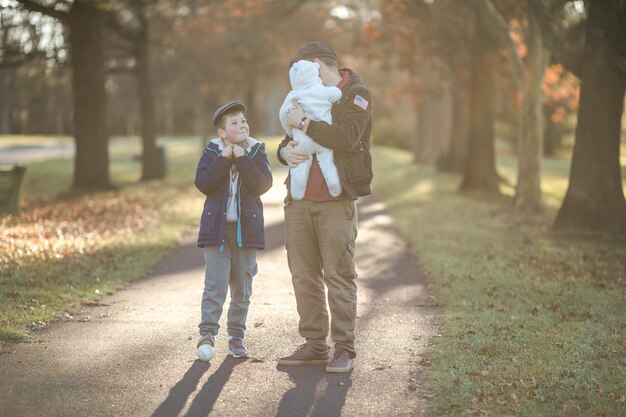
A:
304, 74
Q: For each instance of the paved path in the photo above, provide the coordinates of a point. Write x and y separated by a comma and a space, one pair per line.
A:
135, 356
24, 154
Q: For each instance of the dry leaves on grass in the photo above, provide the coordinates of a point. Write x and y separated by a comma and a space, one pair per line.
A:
68, 228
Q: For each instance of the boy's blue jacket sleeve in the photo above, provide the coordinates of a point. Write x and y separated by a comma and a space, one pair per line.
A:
212, 172
255, 171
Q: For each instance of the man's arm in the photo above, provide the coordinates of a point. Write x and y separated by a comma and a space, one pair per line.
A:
288, 154
346, 132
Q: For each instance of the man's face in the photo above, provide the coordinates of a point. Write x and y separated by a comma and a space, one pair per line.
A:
325, 73
235, 128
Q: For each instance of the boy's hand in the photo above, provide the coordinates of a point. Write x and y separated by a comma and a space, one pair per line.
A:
227, 152
238, 151
292, 156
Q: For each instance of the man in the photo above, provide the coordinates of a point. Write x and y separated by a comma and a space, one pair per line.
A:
321, 229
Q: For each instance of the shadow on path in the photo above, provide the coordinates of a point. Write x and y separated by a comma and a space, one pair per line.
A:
179, 393
302, 400
204, 401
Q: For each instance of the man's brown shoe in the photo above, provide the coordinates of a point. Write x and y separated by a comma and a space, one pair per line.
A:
305, 355
341, 362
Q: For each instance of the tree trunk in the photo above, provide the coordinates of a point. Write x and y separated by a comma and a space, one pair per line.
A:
251, 112
201, 123
552, 137
595, 199
456, 155
91, 164
168, 115
152, 159
530, 147
480, 166
421, 147
7, 99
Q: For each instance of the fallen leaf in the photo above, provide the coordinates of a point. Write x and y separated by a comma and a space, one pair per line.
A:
256, 360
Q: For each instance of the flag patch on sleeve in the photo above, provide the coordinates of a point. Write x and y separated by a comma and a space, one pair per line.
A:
361, 102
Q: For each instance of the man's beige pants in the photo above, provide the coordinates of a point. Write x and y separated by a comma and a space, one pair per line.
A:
320, 249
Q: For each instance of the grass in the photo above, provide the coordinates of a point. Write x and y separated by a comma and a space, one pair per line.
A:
534, 322
62, 251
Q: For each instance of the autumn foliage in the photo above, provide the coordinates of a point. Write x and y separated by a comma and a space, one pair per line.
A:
69, 229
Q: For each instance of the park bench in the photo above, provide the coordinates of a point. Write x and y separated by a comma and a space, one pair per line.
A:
10, 182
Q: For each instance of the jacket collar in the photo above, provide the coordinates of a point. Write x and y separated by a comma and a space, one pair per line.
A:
220, 143
354, 78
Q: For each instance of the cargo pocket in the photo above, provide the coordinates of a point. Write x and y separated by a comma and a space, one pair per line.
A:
253, 270
346, 266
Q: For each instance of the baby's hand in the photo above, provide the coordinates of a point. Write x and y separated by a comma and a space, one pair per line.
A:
227, 152
238, 151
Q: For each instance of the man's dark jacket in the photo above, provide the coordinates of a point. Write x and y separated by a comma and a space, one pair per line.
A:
348, 137
213, 179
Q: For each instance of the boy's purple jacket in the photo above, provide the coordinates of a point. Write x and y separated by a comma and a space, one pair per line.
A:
212, 179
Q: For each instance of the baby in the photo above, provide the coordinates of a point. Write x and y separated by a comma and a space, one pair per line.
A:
317, 101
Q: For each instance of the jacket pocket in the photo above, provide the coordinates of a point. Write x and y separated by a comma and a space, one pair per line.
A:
208, 224
358, 164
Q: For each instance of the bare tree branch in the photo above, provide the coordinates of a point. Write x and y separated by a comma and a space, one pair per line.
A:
33, 6
498, 32
546, 23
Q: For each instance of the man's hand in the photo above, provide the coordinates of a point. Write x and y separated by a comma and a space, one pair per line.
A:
292, 156
294, 115
238, 151
227, 152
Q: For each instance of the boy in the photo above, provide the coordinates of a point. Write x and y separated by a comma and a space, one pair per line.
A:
233, 173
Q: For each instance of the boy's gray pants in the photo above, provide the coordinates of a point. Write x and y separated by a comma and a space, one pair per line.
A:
231, 267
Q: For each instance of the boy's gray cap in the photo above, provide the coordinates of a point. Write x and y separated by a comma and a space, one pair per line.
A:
312, 50
233, 105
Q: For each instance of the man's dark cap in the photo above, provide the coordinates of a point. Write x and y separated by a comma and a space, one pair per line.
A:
228, 107
312, 50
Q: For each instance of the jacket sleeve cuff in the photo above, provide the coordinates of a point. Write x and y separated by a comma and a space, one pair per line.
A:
281, 159
312, 129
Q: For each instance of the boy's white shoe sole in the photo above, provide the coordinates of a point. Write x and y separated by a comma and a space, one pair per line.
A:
205, 352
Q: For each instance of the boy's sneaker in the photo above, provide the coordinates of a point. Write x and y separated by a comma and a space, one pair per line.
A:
305, 355
341, 362
236, 349
206, 349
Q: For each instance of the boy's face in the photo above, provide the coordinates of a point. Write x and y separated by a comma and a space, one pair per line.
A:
235, 128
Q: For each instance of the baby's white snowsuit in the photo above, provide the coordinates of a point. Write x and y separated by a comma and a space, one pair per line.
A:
317, 101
